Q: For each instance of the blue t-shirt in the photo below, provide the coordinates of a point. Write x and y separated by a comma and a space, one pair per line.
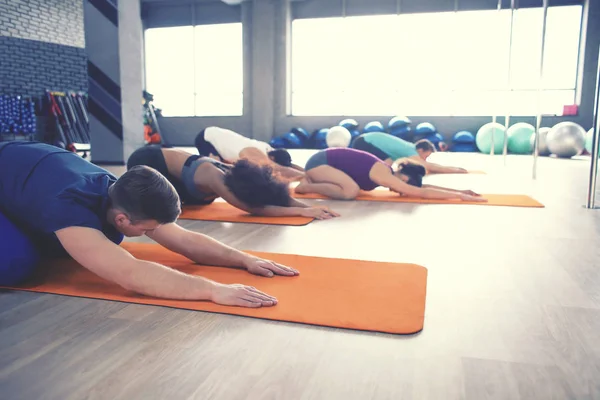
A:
44, 188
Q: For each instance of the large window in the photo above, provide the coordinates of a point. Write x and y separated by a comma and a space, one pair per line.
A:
435, 64
196, 70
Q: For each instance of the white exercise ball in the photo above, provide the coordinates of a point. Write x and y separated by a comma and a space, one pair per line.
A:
338, 136
566, 139
543, 146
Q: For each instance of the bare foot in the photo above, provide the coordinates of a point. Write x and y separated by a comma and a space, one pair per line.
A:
301, 188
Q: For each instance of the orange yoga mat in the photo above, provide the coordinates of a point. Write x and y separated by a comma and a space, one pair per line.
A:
360, 295
225, 212
510, 200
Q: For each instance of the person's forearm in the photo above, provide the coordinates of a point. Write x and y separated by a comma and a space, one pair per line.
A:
443, 169
297, 203
155, 280
430, 193
206, 250
277, 211
442, 189
290, 173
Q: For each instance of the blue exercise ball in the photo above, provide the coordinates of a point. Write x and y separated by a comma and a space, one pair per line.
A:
18, 255
292, 141
276, 143
465, 147
318, 139
398, 121
301, 133
403, 132
349, 124
374, 126
463, 137
425, 128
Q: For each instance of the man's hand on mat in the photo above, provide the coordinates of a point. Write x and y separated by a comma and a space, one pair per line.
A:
319, 212
470, 193
241, 296
259, 266
478, 198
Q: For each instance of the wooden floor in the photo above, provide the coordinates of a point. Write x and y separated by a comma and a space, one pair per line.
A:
513, 311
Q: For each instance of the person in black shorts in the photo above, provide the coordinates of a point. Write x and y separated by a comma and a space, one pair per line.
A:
245, 185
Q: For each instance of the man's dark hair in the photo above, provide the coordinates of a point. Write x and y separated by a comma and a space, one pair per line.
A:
256, 186
281, 157
143, 193
425, 145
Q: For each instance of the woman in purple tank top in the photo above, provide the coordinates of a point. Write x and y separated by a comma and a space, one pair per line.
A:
341, 173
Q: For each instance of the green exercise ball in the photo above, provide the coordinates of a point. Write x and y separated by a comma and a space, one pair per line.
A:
588, 141
519, 138
484, 138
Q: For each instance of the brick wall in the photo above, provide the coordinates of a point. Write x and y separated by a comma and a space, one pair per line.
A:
51, 21
42, 46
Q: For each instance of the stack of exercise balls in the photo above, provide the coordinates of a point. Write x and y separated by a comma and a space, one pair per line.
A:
400, 127
296, 138
427, 131
352, 127
464, 142
565, 139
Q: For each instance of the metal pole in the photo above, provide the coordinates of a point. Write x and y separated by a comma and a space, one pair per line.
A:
508, 100
492, 148
591, 198
538, 120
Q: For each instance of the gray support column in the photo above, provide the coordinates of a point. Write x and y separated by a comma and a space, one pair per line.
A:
283, 59
113, 35
263, 68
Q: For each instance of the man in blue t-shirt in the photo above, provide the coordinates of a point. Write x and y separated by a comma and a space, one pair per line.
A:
63, 203
390, 149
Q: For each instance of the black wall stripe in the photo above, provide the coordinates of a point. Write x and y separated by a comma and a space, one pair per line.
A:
107, 9
105, 118
104, 81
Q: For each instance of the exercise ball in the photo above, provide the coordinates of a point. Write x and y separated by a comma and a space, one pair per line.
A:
543, 146
338, 136
463, 137
519, 138
464, 147
301, 133
318, 139
354, 133
401, 131
374, 126
277, 143
566, 139
483, 139
18, 255
349, 124
291, 141
398, 122
425, 128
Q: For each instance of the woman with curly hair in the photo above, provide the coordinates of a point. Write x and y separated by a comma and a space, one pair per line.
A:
340, 173
248, 186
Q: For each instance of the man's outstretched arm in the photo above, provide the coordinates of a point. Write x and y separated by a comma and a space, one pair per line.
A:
206, 250
94, 251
